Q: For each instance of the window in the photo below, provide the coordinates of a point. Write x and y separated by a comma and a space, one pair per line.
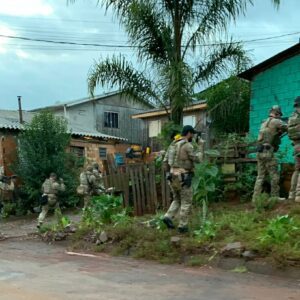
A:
103, 153
189, 120
78, 151
111, 119
154, 128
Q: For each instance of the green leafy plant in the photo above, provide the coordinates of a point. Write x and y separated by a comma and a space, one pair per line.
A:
278, 230
264, 202
42, 150
208, 230
104, 209
204, 183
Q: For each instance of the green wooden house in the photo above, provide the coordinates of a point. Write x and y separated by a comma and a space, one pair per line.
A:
275, 81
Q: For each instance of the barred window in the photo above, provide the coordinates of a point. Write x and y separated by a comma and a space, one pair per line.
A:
111, 119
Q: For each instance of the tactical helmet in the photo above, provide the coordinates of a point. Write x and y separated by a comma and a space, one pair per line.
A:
186, 129
297, 102
89, 168
95, 165
276, 109
53, 175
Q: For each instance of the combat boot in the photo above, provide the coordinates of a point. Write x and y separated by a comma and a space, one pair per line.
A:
183, 229
168, 222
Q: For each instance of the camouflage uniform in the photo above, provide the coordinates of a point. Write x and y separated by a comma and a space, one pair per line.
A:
88, 185
50, 188
99, 180
268, 144
294, 135
181, 157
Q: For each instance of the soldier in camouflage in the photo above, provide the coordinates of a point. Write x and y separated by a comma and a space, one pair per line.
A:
294, 135
268, 144
88, 184
180, 160
99, 180
50, 188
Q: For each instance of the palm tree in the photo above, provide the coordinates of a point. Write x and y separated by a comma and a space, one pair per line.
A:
177, 46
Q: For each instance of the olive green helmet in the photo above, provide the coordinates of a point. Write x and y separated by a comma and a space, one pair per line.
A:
276, 109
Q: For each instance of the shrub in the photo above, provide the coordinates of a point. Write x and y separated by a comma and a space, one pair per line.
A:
42, 150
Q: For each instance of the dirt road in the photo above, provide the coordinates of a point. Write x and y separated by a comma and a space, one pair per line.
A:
33, 270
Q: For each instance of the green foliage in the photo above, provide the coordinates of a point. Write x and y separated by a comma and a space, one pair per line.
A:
279, 230
245, 181
229, 105
204, 183
42, 150
207, 230
157, 222
166, 35
104, 209
264, 202
168, 130
8, 209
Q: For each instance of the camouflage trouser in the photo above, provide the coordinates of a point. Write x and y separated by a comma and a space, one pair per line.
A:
295, 182
266, 165
182, 203
52, 203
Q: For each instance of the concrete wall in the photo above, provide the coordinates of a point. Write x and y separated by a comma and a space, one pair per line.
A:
279, 85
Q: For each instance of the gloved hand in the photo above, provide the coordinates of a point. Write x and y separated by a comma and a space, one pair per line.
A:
168, 176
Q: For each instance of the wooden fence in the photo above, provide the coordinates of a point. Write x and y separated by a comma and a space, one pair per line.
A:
137, 182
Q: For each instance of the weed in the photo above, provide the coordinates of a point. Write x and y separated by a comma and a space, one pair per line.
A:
278, 230
264, 202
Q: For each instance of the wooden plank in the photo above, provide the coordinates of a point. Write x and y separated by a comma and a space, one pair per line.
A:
132, 179
142, 188
152, 167
147, 188
125, 182
163, 189
152, 204
138, 192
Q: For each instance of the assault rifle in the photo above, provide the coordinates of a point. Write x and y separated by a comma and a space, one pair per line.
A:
7, 179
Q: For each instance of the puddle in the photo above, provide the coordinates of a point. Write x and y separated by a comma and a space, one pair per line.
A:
10, 275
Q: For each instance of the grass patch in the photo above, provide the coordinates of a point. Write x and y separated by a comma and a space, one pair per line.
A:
258, 231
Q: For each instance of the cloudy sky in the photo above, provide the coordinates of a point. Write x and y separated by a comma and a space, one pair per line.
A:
45, 73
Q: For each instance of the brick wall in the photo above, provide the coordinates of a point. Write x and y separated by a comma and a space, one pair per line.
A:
91, 149
279, 85
8, 152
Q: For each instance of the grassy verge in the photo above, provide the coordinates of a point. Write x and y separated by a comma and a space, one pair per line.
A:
273, 235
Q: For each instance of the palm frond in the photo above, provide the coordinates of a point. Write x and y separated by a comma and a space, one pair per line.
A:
212, 17
118, 72
219, 60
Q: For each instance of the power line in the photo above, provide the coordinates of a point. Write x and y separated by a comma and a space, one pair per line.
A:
132, 46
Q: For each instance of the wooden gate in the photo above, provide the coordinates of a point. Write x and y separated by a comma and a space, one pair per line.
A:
138, 184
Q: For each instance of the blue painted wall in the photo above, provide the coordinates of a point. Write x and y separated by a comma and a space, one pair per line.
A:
279, 85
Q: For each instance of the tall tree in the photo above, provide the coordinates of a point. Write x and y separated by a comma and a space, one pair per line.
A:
178, 47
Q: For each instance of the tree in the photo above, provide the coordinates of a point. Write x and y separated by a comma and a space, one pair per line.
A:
177, 41
42, 150
229, 105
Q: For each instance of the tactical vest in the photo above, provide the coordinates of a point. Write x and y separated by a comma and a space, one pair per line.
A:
294, 127
171, 154
268, 135
47, 187
83, 179
176, 156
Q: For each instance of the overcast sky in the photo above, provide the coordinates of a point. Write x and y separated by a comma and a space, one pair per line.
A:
44, 73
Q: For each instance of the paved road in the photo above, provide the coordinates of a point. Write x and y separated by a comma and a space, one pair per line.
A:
31, 270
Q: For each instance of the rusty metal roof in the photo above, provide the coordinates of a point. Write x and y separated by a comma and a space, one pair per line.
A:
9, 119
274, 60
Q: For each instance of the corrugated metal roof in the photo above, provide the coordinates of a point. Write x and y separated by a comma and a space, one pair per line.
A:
9, 119
77, 102
97, 135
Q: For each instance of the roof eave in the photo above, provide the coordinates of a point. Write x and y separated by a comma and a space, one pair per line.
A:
270, 62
